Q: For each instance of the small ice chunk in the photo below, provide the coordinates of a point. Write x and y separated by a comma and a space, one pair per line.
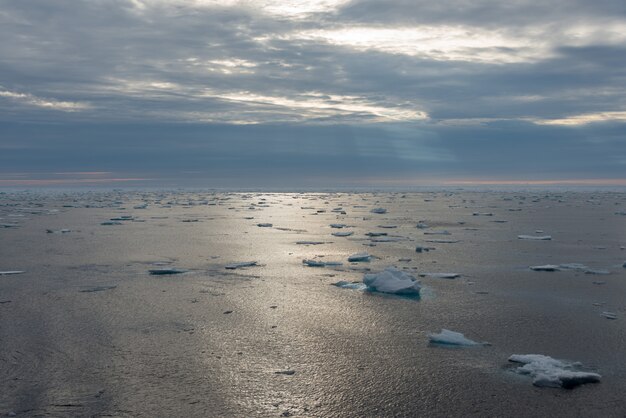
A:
6, 273
264, 225
359, 257
318, 263
535, 237
379, 210
392, 280
234, 266
420, 249
338, 226
350, 285
609, 315
110, 223
342, 234
451, 338
160, 272
545, 267
437, 233
549, 372
60, 231
442, 241
421, 225
98, 289
440, 275
482, 214
573, 266
597, 271
375, 234
310, 242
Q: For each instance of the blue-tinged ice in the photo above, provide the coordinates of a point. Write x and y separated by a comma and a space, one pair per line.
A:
549, 372
392, 280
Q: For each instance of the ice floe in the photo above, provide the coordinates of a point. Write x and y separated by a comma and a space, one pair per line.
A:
535, 237
234, 266
379, 210
451, 338
392, 280
342, 233
318, 263
166, 271
6, 273
440, 275
549, 372
359, 257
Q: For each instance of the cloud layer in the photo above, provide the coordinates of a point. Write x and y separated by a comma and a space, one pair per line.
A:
427, 90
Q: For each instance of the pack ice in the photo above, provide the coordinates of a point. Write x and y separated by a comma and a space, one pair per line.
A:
451, 338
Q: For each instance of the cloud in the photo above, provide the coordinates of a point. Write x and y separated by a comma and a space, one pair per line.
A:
52, 104
407, 86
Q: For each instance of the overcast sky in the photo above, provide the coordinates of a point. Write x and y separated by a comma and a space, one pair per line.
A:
289, 93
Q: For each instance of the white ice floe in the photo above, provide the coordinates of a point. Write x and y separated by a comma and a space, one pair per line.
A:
442, 241
318, 263
420, 249
379, 210
609, 315
482, 214
545, 267
310, 242
264, 225
338, 226
350, 285
359, 257
6, 273
535, 237
392, 280
440, 275
437, 233
451, 338
234, 266
342, 234
60, 231
597, 271
549, 372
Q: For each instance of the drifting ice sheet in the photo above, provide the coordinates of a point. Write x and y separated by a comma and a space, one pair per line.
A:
392, 280
549, 372
234, 266
359, 257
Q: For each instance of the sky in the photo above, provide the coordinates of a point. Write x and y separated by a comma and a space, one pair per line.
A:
312, 93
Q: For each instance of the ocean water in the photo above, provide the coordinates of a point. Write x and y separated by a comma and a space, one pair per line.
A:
86, 330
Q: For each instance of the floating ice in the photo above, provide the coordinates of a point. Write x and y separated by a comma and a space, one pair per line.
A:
379, 210
375, 234
234, 266
482, 214
359, 257
549, 372
60, 231
264, 225
437, 233
392, 280
338, 226
546, 267
98, 289
597, 271
310, 242
535, 237
350, 285
451, 338
420, 249
160, 272
609, 315
342, 234
443, 241
421, 225
6, 273
110, 223
440, 275
573, 266
318, 263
